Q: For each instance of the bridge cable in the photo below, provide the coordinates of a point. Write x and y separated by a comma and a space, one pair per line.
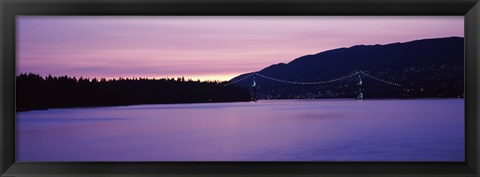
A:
307, 83
381, 80
239, 79
314, 82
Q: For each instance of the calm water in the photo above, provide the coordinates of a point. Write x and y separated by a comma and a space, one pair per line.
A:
285, 130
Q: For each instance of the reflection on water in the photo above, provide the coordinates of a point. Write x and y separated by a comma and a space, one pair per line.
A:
280, 130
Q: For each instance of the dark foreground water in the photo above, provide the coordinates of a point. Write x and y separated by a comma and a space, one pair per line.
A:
280, 130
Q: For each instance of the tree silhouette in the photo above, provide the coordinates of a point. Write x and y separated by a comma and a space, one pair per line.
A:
37, 92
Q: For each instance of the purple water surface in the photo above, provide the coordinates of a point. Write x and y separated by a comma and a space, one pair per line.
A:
276, 130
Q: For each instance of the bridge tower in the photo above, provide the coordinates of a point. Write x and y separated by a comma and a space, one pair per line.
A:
254, 86
360, 88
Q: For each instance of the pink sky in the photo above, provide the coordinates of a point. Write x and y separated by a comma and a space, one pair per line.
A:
206, 48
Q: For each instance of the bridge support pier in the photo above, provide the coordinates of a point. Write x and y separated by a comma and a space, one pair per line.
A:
254, 86
360, 88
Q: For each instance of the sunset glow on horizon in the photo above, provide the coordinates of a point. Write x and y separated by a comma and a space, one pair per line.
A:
202, 47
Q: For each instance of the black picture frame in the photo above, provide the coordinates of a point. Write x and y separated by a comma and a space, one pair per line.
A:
470, 9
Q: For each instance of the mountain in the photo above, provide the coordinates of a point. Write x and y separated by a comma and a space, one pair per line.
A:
424, 68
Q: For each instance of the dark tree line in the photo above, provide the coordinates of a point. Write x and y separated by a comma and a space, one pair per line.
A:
36, 92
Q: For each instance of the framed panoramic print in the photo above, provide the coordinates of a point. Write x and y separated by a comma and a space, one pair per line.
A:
251, 88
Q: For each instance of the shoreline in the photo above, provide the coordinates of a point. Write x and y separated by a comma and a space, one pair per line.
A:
177, 103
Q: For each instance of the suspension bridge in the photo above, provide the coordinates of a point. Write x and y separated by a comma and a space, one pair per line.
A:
359, 74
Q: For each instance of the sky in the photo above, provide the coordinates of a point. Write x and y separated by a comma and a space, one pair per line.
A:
202, 47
